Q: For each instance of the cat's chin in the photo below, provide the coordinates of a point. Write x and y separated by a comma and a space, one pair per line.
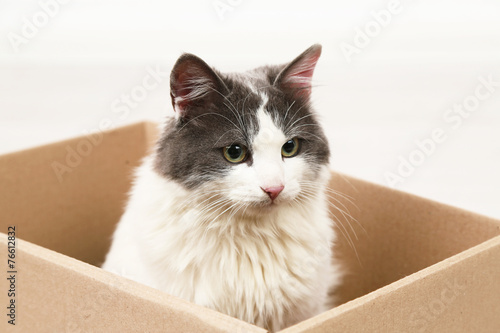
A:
265, 207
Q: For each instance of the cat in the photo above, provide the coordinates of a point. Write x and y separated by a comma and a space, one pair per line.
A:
230, 211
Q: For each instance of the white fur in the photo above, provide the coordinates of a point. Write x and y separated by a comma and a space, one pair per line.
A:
224, 246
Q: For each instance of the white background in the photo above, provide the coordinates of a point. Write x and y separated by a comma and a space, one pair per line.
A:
63, 79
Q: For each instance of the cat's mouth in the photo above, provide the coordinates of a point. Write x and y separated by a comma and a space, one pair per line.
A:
267, 204
270, 203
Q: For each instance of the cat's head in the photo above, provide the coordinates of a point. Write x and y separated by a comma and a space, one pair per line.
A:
248, 139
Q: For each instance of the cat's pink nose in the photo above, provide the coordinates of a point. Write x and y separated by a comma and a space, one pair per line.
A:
273, 191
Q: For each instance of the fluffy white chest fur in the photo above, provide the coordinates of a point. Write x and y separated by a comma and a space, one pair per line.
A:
272, 271
230, 212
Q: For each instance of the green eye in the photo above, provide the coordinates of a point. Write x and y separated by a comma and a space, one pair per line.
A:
290, 148
235, 153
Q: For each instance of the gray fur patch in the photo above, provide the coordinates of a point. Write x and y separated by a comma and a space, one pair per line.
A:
190, 149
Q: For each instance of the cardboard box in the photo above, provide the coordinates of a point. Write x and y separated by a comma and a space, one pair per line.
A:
413, 265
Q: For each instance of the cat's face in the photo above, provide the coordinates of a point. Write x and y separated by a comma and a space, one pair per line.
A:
246, 139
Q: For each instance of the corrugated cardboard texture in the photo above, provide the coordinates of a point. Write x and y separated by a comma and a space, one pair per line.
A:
61, 294
460, 294
390, 234
384, 236
73, 211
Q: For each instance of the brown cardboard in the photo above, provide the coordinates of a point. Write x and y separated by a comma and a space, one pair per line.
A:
417, 265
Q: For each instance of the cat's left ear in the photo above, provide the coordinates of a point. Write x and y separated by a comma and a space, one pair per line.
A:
296, 77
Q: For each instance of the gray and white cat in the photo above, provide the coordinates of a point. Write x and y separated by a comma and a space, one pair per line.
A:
230, 211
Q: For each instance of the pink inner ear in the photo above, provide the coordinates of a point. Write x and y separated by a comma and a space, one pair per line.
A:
300, 74
189, 87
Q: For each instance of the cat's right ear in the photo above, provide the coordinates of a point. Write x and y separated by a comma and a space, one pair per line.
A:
193, 86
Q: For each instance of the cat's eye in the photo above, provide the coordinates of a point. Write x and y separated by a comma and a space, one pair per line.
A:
290, 148
235, 153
